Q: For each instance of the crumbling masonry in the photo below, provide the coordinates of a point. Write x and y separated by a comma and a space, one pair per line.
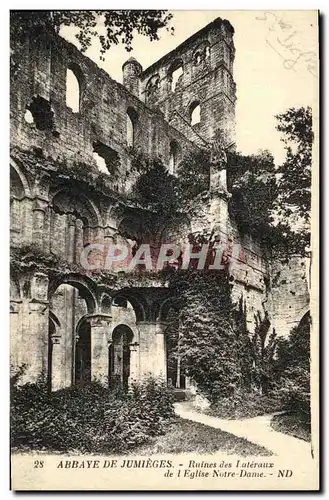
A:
68, 324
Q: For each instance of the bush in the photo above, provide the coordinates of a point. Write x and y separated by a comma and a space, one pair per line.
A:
295, 392
245, 405
88, 419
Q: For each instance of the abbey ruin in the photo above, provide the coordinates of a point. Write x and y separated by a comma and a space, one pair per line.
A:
67, 116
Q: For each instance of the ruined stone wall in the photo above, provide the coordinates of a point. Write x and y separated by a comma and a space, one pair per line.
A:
206, 61
290, 292
39, 86
61, 217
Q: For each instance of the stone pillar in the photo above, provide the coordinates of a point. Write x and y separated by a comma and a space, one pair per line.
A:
100, 325
39, 208
161, 361
36, 344
78, 240
57, 381
134, 362
70, 252
152, 349
15, 333
35, 333
15, 221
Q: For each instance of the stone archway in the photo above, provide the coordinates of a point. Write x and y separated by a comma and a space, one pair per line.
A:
120, 356
72, 299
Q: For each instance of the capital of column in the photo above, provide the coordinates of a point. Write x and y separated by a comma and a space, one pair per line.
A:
38, 306
134, 347
71, 219
55, 339
39, 204
99, 320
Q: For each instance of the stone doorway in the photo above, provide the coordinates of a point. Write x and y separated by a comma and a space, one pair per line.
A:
119, 356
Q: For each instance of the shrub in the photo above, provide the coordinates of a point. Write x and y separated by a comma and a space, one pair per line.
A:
245, 405
295, 392
88, 419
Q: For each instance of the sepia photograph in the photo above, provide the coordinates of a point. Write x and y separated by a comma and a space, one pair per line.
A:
164, 250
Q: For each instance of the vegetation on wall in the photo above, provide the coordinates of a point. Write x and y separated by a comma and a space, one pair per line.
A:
208, 343
274, 202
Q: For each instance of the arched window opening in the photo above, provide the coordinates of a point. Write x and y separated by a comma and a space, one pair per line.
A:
153, 84
175, 77
175, 73
195, 113
72, 90
131, 126
174, 149
197, 58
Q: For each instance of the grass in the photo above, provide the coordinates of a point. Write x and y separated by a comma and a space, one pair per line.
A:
185, 436
290, 423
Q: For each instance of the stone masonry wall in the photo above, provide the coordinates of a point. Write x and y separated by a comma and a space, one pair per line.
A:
206, 60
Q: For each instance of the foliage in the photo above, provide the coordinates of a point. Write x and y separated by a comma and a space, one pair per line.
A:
207, 341
119, 25
293, 365
291, 424
264, 346
251, 179
194, 174
273, 203
88, 419
246, 404
157, 190
294, 185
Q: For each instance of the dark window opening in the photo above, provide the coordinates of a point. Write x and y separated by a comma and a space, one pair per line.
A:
40, 110
175, 73
120, 302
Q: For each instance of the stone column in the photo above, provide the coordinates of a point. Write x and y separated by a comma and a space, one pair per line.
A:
15, 333
56, 363
70, 252
134, 362
100, 325
36, 342
36, 330
39, 208
152, 349
161, 362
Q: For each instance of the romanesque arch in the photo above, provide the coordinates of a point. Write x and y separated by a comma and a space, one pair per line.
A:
75, 222
72, 300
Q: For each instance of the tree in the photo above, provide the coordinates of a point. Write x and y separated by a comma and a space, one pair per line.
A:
119, 25
294, 185
293, 366
251, 180
264, 348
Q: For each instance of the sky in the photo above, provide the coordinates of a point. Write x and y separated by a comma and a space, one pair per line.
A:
275, 66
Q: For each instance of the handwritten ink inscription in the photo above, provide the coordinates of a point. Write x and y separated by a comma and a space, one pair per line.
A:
284, 40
